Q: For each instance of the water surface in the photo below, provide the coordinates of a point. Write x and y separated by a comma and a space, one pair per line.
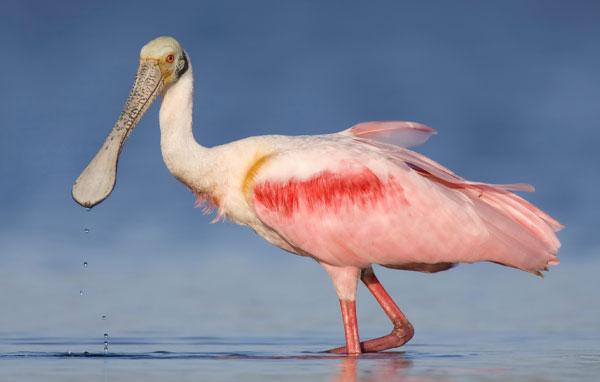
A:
437, 357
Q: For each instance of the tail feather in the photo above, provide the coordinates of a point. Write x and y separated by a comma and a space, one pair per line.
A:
553, 223
525, 215
520, 238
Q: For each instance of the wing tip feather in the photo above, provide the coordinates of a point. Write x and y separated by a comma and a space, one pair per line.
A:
399, 133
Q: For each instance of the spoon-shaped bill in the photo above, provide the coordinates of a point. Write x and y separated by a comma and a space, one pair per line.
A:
98, 179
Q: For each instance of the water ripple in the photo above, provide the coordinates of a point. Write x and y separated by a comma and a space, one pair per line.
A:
161, 354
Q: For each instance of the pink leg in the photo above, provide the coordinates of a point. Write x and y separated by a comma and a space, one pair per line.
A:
345, 280
350, 329
403, 330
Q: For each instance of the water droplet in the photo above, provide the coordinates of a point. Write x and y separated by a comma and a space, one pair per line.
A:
85, 264
81, 292
86, 230
88, 209
103, 316
105, 342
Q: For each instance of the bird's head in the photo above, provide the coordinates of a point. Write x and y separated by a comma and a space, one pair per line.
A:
162, 63
165, 55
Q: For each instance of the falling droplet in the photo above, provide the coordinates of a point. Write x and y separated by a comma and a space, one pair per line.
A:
81, 292
86, 230
88, 209
105, 342
104, 316
85, 264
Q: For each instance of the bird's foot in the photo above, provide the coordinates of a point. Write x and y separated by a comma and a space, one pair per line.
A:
400, 334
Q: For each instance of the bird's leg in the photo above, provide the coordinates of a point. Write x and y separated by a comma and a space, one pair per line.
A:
353, 344
403, 330
350, 328
345, 280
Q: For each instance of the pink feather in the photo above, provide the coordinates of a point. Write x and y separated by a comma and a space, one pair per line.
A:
400, 133
421, 213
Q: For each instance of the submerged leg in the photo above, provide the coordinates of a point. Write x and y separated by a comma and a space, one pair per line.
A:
402, 331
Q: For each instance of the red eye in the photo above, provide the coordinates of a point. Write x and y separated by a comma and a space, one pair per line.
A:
170, 58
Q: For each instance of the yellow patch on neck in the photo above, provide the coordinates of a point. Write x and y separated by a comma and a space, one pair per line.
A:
252, 171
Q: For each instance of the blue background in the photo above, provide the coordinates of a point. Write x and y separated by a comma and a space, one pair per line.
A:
512, 87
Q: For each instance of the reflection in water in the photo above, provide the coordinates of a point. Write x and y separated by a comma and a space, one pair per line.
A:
388, 366
347, 370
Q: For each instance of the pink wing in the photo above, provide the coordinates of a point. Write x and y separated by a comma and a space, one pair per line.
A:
390, 135
399, 133
403, 212
435, 171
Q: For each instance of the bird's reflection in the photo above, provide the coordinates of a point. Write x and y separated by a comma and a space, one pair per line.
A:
388, 366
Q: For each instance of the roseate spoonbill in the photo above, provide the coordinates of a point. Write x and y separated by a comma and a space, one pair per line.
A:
348, 200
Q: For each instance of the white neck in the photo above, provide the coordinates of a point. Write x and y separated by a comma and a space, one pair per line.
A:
185, 158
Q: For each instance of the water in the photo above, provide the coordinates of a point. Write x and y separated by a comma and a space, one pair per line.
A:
468, 356
103, 316
479, 322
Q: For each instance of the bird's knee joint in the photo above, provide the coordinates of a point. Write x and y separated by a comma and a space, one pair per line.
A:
403, 331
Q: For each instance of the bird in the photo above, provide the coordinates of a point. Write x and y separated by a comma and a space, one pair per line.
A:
348, 200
